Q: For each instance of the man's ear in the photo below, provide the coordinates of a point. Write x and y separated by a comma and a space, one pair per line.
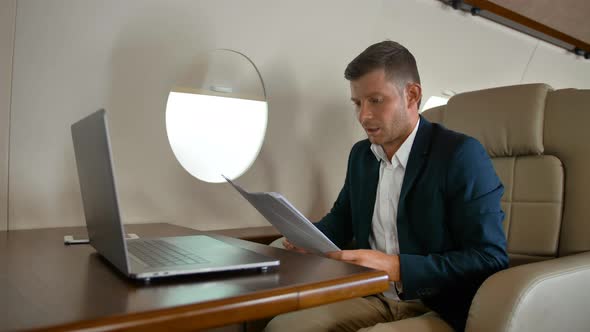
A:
413, 95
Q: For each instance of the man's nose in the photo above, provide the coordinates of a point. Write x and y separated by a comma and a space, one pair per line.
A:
365, 112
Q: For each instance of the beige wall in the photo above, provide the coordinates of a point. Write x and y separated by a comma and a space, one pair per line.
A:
7, 17
73, 57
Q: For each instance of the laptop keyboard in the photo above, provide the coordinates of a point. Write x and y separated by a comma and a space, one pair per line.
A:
162, 253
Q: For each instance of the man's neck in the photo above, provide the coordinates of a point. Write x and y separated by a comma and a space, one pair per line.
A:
393, 147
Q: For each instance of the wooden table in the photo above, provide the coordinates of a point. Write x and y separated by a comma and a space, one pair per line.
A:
45, 285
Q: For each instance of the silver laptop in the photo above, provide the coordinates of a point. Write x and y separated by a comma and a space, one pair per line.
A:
141, 258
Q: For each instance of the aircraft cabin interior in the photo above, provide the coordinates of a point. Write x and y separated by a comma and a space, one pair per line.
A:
333, 165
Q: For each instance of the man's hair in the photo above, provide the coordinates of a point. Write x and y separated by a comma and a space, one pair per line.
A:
399, 64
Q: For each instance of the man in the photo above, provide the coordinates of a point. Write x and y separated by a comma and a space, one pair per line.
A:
419, 202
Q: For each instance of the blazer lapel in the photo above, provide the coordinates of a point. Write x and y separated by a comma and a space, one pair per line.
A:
417, 157
370, 173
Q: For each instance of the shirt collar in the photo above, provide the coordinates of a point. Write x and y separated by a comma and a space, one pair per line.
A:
403, 153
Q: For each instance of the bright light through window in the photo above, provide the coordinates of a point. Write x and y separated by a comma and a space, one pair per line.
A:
434, 101
213, 135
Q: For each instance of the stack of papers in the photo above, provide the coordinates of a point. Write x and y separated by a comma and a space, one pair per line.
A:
288, 220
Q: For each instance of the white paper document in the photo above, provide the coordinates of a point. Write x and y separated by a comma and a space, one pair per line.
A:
288, 220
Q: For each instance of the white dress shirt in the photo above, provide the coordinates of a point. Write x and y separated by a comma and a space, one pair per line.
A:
383, 236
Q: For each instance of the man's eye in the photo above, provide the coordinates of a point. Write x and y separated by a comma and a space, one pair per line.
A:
376, 100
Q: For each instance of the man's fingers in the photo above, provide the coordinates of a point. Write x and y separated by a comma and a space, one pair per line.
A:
300, 250
333, 254
287, 244
343, 255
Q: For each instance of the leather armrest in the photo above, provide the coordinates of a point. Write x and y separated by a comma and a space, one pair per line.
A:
552, 295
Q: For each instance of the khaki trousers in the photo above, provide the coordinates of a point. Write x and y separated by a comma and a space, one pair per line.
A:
374, 313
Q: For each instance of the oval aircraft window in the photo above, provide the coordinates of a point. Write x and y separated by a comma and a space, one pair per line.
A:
434, 101
216, 117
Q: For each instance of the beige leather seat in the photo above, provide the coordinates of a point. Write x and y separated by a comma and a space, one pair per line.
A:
538, 139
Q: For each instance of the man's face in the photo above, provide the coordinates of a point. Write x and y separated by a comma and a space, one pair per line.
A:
381, 109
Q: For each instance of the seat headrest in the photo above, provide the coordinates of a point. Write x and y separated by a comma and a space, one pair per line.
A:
508, 121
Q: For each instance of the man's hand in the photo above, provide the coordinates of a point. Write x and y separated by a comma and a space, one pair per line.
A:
289, 246
371, 258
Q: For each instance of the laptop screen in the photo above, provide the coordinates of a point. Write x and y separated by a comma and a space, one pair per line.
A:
97, 184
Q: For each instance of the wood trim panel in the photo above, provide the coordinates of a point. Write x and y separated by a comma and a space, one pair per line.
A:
532, 24
327, 292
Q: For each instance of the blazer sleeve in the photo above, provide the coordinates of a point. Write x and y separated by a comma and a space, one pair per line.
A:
337, 224
474, 216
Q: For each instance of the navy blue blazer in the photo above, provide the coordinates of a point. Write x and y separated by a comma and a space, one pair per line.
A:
449, 219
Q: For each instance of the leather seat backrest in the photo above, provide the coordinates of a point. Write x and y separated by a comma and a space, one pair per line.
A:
567, 136
511, 124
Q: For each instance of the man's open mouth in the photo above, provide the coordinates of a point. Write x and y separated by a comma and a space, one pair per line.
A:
373, 131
